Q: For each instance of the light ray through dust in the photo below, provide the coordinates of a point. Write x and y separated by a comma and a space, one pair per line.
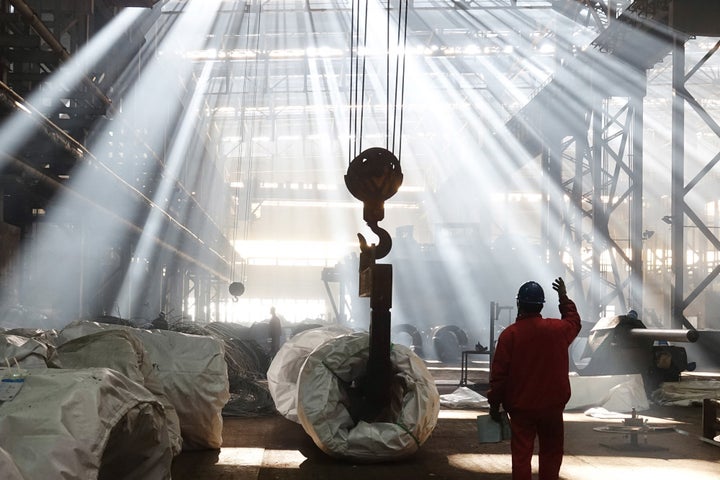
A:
150, 105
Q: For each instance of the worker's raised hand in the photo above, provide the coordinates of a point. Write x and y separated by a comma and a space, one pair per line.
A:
559, 286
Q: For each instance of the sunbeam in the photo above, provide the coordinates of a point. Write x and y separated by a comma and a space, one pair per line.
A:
518, 147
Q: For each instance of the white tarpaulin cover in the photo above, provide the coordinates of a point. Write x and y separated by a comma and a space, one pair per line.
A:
129, 357
617, 393
284, 370
463, 397
322, 408
193, 374
73, 424
7, 467
28, 353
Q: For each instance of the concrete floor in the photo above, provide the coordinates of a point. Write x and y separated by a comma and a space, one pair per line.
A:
272, 447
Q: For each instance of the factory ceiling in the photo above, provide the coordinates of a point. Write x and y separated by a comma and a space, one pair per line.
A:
208, 115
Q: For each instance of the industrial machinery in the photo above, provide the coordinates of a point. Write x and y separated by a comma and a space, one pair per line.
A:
633, 427
622, 345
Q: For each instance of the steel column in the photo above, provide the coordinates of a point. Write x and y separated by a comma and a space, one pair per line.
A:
599, 222
637, 271
677, 194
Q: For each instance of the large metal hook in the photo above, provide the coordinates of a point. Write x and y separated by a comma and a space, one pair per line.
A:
383, 246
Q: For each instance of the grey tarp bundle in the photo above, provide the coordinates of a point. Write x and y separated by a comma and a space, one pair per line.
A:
8, 468
322, 410
283, 373
129, 357
686, 392
192, 372
26, 352
75, 424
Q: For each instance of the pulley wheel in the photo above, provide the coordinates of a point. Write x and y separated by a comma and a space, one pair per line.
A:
236, 289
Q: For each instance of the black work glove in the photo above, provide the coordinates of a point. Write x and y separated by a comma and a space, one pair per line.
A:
495, 413
559, 286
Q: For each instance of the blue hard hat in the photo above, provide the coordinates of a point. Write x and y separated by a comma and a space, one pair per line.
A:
531, 292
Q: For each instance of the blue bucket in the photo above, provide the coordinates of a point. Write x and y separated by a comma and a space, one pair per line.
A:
490, 431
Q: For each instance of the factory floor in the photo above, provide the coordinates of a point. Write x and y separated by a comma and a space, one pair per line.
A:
265, 448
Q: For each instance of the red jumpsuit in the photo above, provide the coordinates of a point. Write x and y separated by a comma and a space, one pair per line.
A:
529, 377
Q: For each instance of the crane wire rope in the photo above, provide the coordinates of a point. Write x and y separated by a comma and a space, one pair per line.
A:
247, 211
351, 89
394, 97
357, 92
402, 29
251, 150
387, 78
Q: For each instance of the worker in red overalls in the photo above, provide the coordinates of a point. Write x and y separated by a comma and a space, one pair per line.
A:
529, 377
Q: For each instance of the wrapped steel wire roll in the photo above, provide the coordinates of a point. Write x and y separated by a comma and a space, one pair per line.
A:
283, 373
323, 402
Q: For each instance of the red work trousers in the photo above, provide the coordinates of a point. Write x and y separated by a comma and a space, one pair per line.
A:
548, 426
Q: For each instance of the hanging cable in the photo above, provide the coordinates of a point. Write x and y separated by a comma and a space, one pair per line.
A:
387, 79
237, 288
251, 150
395, 95
356, 86
354, 40
358, 141
401, 103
